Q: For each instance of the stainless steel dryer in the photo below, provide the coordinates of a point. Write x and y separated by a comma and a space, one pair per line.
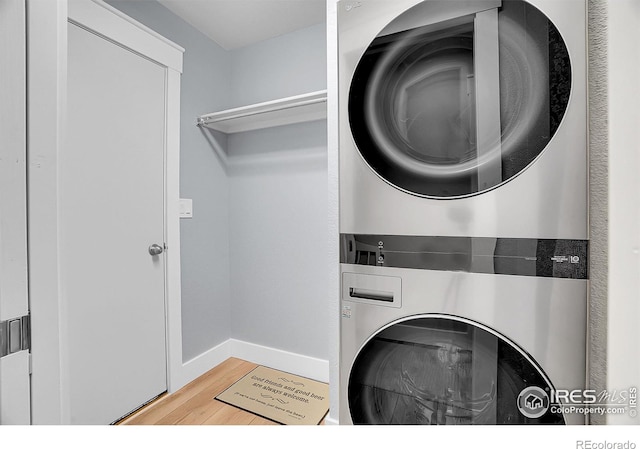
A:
463, 118
460, 330
463, 209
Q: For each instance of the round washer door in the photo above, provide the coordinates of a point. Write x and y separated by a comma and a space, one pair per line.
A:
448, 108
439, 369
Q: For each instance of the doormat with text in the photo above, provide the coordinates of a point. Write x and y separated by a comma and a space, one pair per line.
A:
279, 396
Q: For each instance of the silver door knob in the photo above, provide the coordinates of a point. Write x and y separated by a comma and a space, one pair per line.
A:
155, 249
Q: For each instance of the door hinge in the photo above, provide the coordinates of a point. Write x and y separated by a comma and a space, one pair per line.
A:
15, 335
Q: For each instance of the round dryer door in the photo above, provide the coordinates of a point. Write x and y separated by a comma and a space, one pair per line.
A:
445, 370
452, 99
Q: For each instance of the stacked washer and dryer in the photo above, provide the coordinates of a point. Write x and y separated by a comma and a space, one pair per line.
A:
463, 210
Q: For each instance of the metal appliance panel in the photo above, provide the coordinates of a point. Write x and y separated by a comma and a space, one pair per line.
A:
545, 317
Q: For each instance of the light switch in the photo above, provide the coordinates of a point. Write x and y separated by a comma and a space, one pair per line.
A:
186, 208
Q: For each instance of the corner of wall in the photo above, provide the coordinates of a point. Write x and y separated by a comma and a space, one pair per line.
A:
598, 197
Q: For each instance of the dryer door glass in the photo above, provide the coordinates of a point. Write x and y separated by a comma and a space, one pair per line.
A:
452, 99
437, 370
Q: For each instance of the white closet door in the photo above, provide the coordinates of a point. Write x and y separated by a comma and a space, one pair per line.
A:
112, 210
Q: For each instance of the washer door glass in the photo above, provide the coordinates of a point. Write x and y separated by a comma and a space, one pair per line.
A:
454, 98
443, 370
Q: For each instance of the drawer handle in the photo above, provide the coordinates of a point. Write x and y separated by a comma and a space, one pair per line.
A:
374, 295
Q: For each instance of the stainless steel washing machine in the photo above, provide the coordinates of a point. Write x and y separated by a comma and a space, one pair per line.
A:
463, 118
463, 209
460, 330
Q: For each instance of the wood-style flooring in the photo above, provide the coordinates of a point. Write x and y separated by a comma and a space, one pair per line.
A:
195, 404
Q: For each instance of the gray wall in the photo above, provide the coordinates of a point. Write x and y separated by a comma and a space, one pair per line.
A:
291, 64
279, 238
278, 202
204, 238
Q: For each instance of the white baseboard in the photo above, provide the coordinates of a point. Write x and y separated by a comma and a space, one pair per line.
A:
202, 363
298, 364
290, 362
329, 421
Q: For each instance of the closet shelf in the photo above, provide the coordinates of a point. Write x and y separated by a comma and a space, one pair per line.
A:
284, 111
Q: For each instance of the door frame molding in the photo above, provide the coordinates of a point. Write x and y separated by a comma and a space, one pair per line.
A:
46, 122
14, 367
